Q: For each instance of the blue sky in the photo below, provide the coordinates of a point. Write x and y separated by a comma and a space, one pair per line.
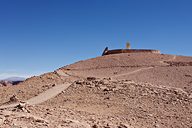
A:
38, 36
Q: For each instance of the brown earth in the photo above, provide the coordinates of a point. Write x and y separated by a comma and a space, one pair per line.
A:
132, 90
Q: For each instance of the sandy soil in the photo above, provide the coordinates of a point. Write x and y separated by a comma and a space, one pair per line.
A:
113, 91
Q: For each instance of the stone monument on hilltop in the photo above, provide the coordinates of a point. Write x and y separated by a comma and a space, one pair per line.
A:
128, 50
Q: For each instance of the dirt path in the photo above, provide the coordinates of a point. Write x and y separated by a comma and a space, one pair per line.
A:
171, 59
54, 91
174, 57
129, 73
50, 93
46, 95
61, 73
142, 69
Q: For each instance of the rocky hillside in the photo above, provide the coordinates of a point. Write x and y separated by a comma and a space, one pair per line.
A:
115, 91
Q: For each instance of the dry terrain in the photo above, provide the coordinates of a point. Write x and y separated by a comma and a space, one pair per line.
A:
129, 90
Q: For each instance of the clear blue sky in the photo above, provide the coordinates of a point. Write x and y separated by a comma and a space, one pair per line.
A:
38, 36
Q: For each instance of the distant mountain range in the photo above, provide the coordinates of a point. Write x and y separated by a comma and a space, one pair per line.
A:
14, 79
11, 81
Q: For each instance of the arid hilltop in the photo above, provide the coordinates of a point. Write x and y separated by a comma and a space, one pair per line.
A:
127, 90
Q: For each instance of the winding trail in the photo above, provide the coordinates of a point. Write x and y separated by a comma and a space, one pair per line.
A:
46, 95
146, 68
42, 97
135, 71
171, 59
57, 89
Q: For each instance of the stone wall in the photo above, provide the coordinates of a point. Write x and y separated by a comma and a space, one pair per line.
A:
118, 51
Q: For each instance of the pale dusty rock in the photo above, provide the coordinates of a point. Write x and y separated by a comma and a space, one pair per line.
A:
190, 96
2, 119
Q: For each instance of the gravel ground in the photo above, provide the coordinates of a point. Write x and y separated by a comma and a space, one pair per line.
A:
113, 91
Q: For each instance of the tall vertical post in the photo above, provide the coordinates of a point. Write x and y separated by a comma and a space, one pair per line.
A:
128, 45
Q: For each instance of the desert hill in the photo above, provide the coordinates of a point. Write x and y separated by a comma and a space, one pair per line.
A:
129, 90
158, 69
